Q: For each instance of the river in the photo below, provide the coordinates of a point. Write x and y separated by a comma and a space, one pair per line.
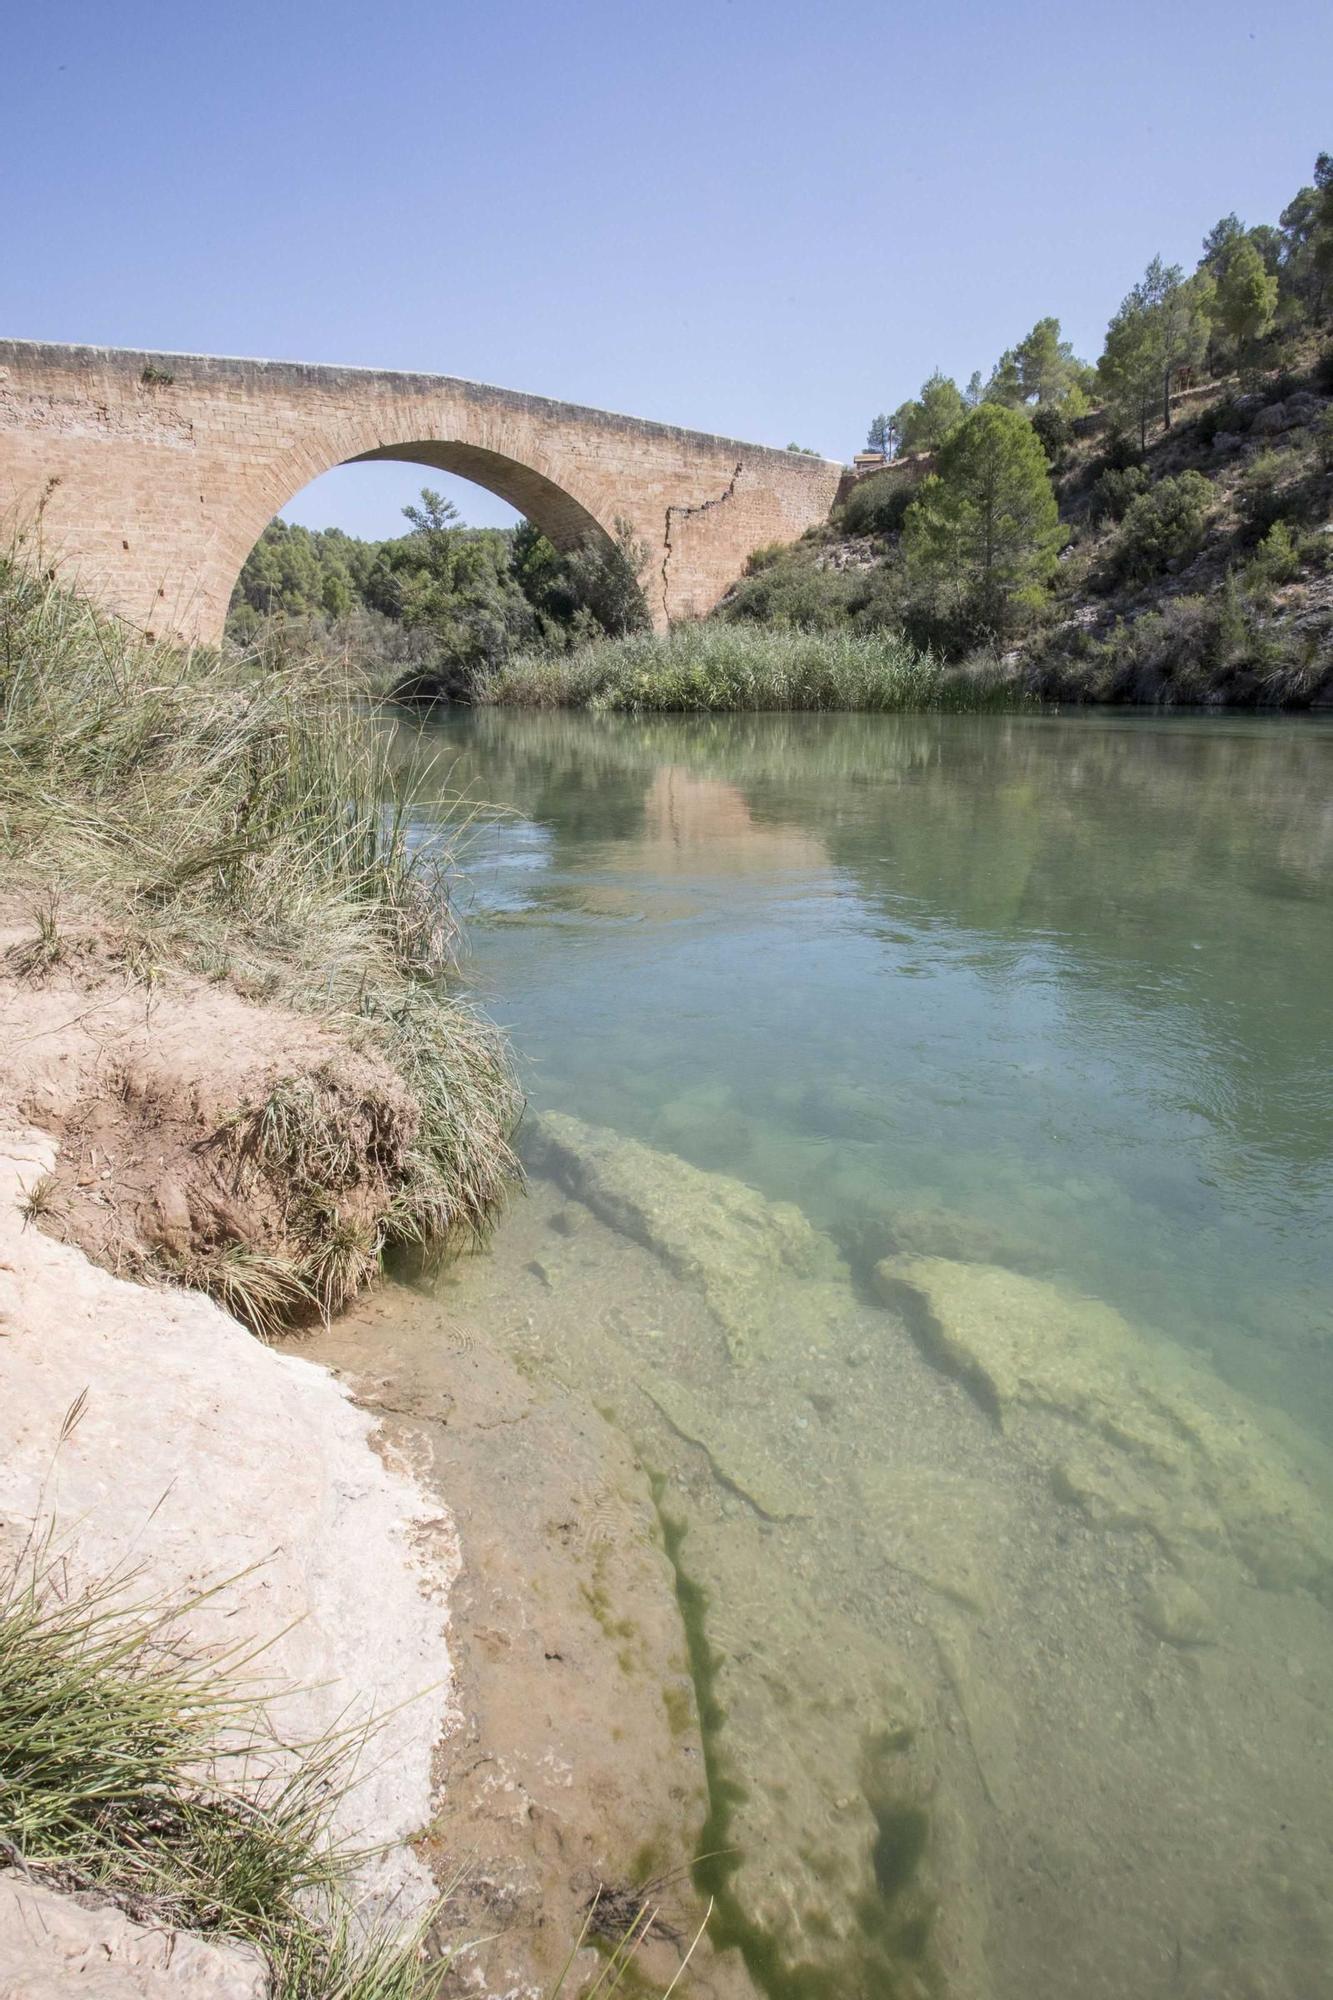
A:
932, 1131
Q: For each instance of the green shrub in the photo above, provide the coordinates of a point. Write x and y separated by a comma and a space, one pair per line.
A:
1193, 650
1116, 489
1323, 439
1163, 526
792, 587
1054, 429
1120, 451
1277, 559
763, 558
876, 506
1260, 495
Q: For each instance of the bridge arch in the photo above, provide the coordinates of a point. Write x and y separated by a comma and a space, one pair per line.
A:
531, 489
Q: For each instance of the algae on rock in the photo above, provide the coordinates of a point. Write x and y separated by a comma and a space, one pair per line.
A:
770, 1278
829, 1871
1160, 1442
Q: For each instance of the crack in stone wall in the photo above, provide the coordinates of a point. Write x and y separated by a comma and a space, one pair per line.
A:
701, 507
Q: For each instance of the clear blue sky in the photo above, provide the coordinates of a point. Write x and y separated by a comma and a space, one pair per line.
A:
758, 218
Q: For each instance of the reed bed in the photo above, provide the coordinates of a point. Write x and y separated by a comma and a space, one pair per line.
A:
716, 666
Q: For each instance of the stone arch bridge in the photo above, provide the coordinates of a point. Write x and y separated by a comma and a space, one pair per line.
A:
149, 477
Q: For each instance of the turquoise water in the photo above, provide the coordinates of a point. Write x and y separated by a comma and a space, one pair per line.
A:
1071, 976
997, 1453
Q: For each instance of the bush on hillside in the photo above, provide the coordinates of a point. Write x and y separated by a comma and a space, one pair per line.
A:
1163, 526
1193, 650
1120, 451
1323, 440
1276, 561
876, 506
1054, 429
1116, 489
790, 588
1261, 495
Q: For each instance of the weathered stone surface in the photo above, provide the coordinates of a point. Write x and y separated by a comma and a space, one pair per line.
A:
201, 1457
770, 1278
59, 1947
1267, 422
1167, 1444
156, 473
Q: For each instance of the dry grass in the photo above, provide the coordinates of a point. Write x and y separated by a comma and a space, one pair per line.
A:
240, 819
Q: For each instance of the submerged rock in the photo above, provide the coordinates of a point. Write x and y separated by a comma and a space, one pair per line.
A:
823, 1781
1174, 1610
943, 1530
1159, 1441
770, 1278
734, 1445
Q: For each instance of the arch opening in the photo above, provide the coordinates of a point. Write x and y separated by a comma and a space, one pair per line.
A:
437, 604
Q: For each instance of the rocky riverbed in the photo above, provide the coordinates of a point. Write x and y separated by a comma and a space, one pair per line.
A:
1005, 1620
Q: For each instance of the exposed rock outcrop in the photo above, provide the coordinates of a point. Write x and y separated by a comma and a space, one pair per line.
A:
201, 1456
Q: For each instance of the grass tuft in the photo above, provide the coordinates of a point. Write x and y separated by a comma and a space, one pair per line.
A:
40, 1202
33, 958
129, 1767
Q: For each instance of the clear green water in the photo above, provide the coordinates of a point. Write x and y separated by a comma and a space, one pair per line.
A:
1056, 990
1070, 975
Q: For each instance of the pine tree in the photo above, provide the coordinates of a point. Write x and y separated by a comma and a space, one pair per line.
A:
986, 523
1162, 326
877, 437
1047, 369
934, 416
1246, 297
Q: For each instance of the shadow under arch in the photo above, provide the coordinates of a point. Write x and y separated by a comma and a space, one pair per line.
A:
559, 516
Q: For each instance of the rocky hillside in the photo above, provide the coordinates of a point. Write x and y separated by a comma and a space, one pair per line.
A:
1198, 565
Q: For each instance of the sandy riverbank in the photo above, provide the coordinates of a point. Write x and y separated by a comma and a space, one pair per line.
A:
423, 1560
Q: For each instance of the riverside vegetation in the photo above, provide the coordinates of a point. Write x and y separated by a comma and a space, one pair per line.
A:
130, 1769
177, 814
1151, 528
